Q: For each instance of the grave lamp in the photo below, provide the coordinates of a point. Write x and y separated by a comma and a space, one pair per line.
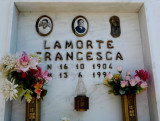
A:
81, 101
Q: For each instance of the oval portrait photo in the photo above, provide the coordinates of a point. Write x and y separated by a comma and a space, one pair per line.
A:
44, 25
80, 26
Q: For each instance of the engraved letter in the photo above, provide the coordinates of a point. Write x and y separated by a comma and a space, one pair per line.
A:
58, 56
57, 44
99, 43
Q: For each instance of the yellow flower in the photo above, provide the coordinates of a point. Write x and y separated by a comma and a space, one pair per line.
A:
105, 81
116, 77
28, 96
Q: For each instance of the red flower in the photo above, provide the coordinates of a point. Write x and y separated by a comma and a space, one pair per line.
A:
37, 72
142, 74
23, 75
38, 91
38, 87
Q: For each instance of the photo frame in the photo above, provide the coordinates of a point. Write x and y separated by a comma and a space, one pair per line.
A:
80, 26
44, 25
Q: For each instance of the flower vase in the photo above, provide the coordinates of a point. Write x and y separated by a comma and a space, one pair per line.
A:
129, 107
33, 110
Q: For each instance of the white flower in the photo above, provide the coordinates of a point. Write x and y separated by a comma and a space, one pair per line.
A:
7, 64
9, 90
36, 56
119, 69
65, 119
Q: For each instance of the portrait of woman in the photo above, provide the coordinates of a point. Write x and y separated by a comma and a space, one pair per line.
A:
44, 25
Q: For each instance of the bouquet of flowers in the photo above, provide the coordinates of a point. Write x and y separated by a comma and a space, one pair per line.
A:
127, 85
23, 77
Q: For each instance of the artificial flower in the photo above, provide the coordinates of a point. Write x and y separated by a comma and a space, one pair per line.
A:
33, 63
38, 91
28, 76
46, 77
139, 83
132, 82
24, 63
119, 69
109, 76
106, 81
9, 90
127, 78
37, 72
7, 64
124, 83
144, 85
23, 75
28, 96
137, 79
36, 56
127, 85
142, 74
38, 84
128, 73
38, 87
116, 77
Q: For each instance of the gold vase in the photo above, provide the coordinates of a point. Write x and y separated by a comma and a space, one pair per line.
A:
129, 107
33, 110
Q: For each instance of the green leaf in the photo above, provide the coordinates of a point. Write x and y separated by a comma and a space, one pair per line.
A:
43, 93
121, 92
20, 90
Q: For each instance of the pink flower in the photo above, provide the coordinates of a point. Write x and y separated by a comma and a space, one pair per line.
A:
124, 83
109, 76
127, 78
144, 85
137, 79
132, 82
119, 69
46, 77
128, 73
24, 63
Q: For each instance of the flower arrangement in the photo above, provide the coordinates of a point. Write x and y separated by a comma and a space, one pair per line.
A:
127, 85
23, 77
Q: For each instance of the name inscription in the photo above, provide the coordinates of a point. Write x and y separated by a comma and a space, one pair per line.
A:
65, 51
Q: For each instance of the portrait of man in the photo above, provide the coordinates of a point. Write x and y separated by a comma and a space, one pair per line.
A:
44, 25
80, 26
